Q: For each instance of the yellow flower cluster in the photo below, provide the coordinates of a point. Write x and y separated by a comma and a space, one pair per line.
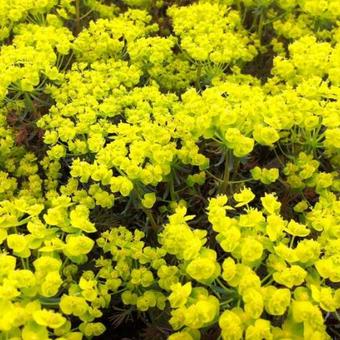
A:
179, 162
13, 12
211, 32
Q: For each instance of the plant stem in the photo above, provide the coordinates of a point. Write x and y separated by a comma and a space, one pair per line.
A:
154, 225
226, 174
198, 77
260, 26
173, 194
77, 17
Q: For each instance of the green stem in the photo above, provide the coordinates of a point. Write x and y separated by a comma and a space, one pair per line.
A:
337, 315
23, 263
227, 302
260, 26
173, 194
226, 174
28, 102
154, 225
77, 17
266, 278
223, 286
198, 77
86, 14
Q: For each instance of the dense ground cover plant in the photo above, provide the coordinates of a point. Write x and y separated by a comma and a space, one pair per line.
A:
170, 163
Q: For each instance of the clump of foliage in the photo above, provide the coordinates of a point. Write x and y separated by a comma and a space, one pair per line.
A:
172, 161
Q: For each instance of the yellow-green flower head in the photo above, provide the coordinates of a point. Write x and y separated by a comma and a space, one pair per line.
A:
265, 135
270, 204
231, 325
251, 250
105, 37
186, 334
276, 300
178, 239
73, 305
212, 32
146, 301
297, 229
253, 303
260, 330
51, 284
266, 176
48, 318
203, 312
243, 197
305, 311
179, 294
79, 218
92, 329
204, 268
149, 200
275, 227
77, 245
289, 277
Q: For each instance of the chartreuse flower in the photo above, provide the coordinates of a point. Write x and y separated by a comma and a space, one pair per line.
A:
79, 218
265, 176
301, 206
179, 294
178, 239
48, 318
149, 200
275, 226
91, 329
133, 109
276, 300
19, 244
328, 268
46, 264
265, 135
229, 269
34, 331
231, 324
240, 144
308, 251
308, 313
217, 214
243, 197
186, 334
325, 297
201, 313
253, 303
77, 245
168, 275
261, 329
204, 268
129, 298
142, 276
289, 277
223, 41
251, 250
51, 284
128, 27
73, 305
146, 301
287, 253
270, 204
297, 229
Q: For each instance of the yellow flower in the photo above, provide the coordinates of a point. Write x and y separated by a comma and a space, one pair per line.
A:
48, 318
243, 197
